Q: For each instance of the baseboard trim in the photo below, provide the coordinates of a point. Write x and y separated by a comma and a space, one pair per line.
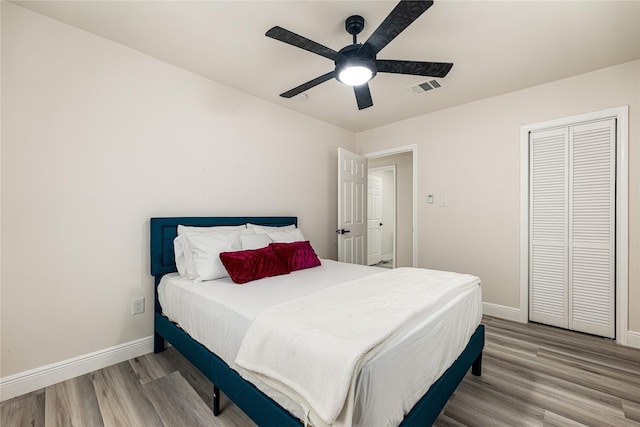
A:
513, 314
34, 379
633, 339
501, 311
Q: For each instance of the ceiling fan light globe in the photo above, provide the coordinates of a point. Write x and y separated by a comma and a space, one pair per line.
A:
355, 75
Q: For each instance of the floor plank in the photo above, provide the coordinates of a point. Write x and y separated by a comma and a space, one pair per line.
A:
631, 410
181, 407
151, 367
555, 420
122, 399
72, 403
27, 410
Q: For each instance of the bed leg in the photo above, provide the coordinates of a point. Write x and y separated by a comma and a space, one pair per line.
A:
476, 368
216, 401
158, 343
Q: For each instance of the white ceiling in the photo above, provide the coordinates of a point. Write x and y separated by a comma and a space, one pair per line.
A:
496, 46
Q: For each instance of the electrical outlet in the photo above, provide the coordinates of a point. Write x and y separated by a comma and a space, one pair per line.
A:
137, 306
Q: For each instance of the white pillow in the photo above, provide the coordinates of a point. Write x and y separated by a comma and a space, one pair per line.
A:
254, 241
286, 236
215, 229
265, 228
198, 254
178, 250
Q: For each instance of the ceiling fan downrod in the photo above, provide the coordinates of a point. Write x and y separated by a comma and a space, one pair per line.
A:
354, 25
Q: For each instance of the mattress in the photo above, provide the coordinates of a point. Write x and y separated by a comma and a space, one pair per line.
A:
218, 313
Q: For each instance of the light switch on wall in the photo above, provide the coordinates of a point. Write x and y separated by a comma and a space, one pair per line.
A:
430, 198
443, 201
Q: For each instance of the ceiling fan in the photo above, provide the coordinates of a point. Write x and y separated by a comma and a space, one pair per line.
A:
356, 63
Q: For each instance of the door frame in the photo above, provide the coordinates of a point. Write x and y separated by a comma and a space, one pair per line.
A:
621, 114
413, 148
392, 169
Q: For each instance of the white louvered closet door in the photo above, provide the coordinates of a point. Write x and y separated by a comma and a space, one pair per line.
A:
548, 236
572, 227
592, 228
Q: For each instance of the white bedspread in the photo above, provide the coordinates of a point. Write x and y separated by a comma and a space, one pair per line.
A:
312, 347
218, 313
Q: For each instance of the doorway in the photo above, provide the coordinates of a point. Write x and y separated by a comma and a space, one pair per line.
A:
402, 237
381, 216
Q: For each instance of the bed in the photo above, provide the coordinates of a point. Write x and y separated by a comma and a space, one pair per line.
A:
262, 406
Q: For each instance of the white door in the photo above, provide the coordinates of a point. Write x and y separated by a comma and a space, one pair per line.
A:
374, 220
548, 232
572, 227
352, 207
592, 171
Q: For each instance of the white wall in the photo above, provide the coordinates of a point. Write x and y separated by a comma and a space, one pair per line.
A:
470, 154
97, 138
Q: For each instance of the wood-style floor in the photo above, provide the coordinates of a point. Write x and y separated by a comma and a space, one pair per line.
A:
532, 375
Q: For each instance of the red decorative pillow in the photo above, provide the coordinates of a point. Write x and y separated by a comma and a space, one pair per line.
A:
248, 265
296, 255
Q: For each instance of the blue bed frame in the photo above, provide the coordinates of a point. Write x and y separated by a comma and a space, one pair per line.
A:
258, 406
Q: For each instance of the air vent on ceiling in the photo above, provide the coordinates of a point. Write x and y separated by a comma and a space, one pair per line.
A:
424, 87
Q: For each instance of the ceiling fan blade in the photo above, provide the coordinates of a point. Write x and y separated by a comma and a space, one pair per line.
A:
400, 18
417, 68
296, 40
363, 96
308, 85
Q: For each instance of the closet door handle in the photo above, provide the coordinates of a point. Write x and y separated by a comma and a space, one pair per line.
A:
343, 231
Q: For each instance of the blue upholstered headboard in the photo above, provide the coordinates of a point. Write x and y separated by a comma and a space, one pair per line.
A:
165, 230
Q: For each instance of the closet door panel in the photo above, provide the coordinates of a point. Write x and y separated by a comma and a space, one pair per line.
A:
592, 228
548, 298
548, 239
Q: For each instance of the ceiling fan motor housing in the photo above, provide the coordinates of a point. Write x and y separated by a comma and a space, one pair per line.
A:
356, 56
